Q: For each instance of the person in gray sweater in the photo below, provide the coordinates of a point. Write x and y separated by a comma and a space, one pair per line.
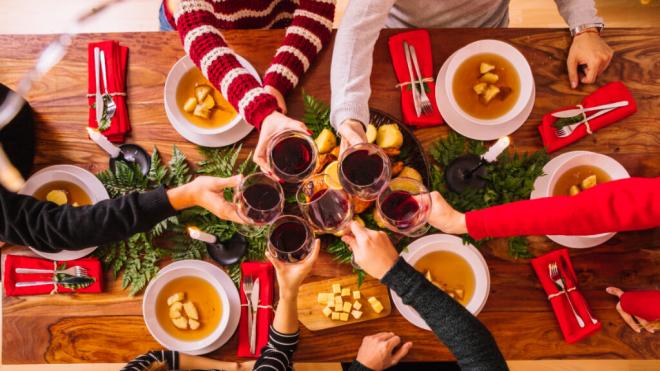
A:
363, 20
467, 338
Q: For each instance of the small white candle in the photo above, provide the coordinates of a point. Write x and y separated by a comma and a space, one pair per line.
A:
103, 142
496, 149
196, 234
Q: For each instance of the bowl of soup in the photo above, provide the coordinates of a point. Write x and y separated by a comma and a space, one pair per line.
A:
489, 82
186, 309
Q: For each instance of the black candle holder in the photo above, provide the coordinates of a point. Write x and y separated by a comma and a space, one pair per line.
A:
467, 171
133, 154
229, 252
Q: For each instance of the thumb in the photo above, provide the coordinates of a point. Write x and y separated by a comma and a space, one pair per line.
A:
572, 64
402, 352
359, 232
259, 158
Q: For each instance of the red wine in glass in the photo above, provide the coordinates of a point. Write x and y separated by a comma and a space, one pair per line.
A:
400, 207
364, 170
329, 209
293, 156
405, 205
290, 239
262, 200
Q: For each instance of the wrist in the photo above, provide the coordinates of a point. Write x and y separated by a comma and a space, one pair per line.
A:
181, 197
289, 294
458, 223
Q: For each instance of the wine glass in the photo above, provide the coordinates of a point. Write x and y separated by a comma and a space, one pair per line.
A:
290, 238
404, 206
364, 170
259, 200
292, 155
327, 209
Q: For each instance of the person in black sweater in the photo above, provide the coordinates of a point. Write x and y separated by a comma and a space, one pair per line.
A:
47, 227
467, 338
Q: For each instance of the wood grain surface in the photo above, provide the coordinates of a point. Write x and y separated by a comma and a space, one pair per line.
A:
108, 327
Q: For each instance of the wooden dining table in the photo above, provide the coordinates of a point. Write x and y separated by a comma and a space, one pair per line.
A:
108, 327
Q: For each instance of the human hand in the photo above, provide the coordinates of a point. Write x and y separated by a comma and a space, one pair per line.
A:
281, 102
590, 50
377, 351
372, 250
444, 217
628, 318
351, 133
207, 192
246, 366
272, 125
291, 275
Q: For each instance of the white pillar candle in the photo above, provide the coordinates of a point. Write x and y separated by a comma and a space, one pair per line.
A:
103, 142
196, 234
496, 149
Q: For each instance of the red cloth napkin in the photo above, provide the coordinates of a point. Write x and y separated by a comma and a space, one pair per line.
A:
116, 58
608, 93
12, 262
265, 312
642, 304
567, 322
421, 41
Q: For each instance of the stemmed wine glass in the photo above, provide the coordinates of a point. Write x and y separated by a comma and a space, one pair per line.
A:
327, 209
404, 206
259, 200
290, 238
364, 170
292, 155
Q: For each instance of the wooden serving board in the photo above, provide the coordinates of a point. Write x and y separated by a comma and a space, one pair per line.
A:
310, 311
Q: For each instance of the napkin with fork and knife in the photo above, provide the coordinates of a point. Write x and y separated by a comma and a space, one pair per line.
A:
255, 325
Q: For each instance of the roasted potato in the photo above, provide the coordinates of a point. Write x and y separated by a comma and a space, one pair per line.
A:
397, 168
389, 136
326, 141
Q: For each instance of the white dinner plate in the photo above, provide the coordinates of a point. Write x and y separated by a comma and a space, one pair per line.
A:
234, 134
232, 295
446, 242
90, 184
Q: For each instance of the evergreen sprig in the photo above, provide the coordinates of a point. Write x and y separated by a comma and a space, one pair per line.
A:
317, 115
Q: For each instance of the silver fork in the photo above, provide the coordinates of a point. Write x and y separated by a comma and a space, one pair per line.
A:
559, 281
415, 94
425, 103
247, 290
77, 271
110, 105
567, 130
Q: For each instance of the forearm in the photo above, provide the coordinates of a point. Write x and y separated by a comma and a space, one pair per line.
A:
578, 12
146, 361
286, 315
189, 362
467, 338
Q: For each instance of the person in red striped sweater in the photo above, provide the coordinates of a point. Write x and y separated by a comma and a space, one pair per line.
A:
308, 29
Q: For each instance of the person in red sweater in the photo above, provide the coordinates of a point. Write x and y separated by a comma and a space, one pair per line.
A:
308, 29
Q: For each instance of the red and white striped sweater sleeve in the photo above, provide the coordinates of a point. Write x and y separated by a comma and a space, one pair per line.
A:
200, 33
308, 33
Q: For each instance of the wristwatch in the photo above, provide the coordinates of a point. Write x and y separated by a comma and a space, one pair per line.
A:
579, 29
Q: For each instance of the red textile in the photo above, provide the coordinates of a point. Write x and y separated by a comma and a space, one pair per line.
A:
264, 272
643, 304
567, 322
421, 41
608, 93
620, 205
116, 58
93, 266
309, 27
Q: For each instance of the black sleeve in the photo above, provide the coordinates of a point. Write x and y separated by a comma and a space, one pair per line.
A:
145, 361
357, 366
278, 353
467, 338
51, 228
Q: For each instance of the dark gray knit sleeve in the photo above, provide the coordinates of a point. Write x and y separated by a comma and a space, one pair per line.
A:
278, 353
467, 338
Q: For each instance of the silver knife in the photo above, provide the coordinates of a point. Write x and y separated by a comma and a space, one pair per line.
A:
98, 99
254, 299
413, 88
578, 111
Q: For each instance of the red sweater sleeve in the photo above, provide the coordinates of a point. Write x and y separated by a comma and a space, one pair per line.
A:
643, 304
622, 205
308, 33
199, 30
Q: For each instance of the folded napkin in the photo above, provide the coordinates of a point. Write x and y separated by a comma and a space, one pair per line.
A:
265, 312
608, 93
12, 262
116, 57
567, 322
421, 41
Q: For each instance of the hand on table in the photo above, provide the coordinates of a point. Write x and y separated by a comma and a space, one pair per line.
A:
590, 50
273, 124
373, 251
291, 275
377, 351
629, 319
281, 102
207, 192
351, 133
444, 217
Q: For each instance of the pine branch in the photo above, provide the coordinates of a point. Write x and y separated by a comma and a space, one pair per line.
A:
317, 115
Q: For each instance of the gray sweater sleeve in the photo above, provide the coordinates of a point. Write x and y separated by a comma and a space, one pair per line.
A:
578, 12
467, 338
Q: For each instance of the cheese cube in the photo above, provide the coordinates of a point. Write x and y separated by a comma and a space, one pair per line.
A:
343, 317
356, 294
322, 298
378, 307
356, 314
336, 288
331, 301
347, 307
339, 306
357, 305
335, 316
327, 311
346, 292
339, 299
372, 300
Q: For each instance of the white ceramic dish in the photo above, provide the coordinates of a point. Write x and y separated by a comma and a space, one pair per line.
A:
149, 308
224, 135
469, 128
78, 176
445, 242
